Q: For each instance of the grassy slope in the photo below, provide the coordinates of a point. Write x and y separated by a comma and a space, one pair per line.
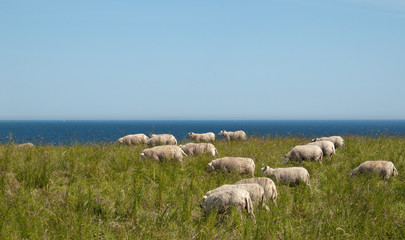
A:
83, 192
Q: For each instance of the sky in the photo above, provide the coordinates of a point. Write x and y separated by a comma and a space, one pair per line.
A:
203, 60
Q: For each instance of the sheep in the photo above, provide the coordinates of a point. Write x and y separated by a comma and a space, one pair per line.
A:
289, 176
165, 152
134, 139
384, 168
233, 164
237, 135
256, 191
161, 139
202, 137
193, 149
25, 145
268, 185
223, 200
304, 152
328, 148
337, 140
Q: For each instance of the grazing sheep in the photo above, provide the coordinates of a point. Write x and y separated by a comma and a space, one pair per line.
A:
134, 139
289, 176
304, 152
233, 164
270, 190
161, 139
384, 168
256, 191
25, 145
202, 137
328, 148
237, 135
165, 152
193, 149
337, 140
222, 201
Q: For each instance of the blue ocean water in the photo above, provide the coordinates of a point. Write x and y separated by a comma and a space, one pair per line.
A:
94, 132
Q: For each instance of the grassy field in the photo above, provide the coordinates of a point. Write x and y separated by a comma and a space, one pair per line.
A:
105, 192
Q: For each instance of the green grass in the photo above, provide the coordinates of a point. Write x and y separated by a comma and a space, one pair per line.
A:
105, 192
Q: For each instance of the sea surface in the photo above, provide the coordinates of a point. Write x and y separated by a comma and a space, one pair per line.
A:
95, 132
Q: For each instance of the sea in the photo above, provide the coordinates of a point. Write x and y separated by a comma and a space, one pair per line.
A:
100, 132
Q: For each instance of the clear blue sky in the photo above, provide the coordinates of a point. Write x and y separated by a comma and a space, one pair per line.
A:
286, 59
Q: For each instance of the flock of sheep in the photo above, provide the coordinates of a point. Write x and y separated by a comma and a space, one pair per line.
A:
246, 193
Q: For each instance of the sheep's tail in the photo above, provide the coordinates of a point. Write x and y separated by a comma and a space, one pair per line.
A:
308, 181
395, 171
275, 197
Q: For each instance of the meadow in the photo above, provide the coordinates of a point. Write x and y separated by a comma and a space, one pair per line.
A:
106, 192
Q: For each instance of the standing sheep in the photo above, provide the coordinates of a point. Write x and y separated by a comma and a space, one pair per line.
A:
256, 191
289, 176
237, 135
384, 168
202, 137
268, 185
194, 149
233, 164
134, 139
165, 152
161, 139
337, 140
25, 145
328, 148
222, 201
304, 152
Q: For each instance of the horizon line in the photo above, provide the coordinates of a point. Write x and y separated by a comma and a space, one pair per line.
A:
67, 120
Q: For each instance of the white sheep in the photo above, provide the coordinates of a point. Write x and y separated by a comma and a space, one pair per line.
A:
202, 137
268, 185
161, 139
165, 152
134, 139
304, 152
289, 176
256, 192
193, 149
328, 148
384, 168
233, 164
337, 140
237, 135
25, 145
222, 201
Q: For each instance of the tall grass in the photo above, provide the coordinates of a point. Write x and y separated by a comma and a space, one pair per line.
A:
105, 192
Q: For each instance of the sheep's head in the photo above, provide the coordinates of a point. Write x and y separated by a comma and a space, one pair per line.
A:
142, 156
121, 140
267, 170
314, 139
152, 135
204, 198
286, 159
210, 168
222, 133
190, 134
